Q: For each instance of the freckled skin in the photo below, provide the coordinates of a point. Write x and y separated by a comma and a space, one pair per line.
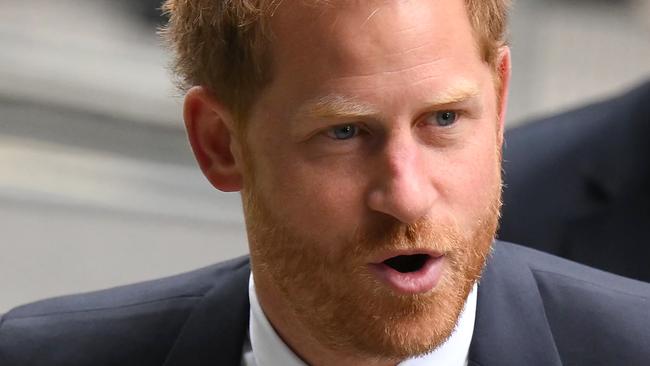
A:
312, 195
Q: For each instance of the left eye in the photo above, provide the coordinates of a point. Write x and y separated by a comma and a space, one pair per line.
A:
443, 118
343, 132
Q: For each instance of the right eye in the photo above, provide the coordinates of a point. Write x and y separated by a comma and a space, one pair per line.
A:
343, 132
443, 118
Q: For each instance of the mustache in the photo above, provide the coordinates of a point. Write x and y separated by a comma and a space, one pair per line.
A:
391, 234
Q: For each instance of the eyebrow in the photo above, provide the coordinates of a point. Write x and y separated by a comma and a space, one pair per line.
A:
456, 94
336, 106
339, 106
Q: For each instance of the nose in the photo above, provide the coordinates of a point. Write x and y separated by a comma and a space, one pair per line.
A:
403, 185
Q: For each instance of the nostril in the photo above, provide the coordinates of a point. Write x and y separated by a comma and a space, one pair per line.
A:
407, 263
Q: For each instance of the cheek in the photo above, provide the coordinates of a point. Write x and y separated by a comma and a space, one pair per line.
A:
324, 199
474, 178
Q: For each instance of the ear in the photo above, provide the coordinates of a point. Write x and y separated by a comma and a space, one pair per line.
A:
503, 70
210, 128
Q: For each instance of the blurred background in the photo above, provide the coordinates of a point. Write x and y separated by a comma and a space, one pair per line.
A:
96, 176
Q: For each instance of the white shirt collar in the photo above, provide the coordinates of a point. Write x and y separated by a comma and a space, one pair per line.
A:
269, 350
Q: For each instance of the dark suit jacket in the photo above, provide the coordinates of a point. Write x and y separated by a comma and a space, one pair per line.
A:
578, 185
533, 310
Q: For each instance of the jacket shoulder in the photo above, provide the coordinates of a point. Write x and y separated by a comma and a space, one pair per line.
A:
128, 325
557, 135
536, 153
595, 317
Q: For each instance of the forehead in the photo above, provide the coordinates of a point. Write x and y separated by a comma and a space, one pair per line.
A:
358, 36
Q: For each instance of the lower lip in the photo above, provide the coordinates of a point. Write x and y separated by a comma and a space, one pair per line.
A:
418, 282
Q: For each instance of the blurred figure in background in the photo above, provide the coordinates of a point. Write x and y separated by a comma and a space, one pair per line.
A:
578, 184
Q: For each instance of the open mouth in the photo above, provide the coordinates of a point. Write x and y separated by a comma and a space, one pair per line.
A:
407, 263
410, 273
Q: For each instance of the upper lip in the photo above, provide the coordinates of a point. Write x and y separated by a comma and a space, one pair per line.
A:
394, 253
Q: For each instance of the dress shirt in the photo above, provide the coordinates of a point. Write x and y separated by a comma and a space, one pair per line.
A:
265, 348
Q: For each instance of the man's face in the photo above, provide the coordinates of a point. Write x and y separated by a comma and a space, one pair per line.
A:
372, 185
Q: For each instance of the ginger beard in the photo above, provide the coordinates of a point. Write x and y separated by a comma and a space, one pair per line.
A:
330, 291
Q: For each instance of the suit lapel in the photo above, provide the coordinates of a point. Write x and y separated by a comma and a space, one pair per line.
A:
214, 333
511, 328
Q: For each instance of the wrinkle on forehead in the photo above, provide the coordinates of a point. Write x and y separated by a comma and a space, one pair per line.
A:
405, 70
